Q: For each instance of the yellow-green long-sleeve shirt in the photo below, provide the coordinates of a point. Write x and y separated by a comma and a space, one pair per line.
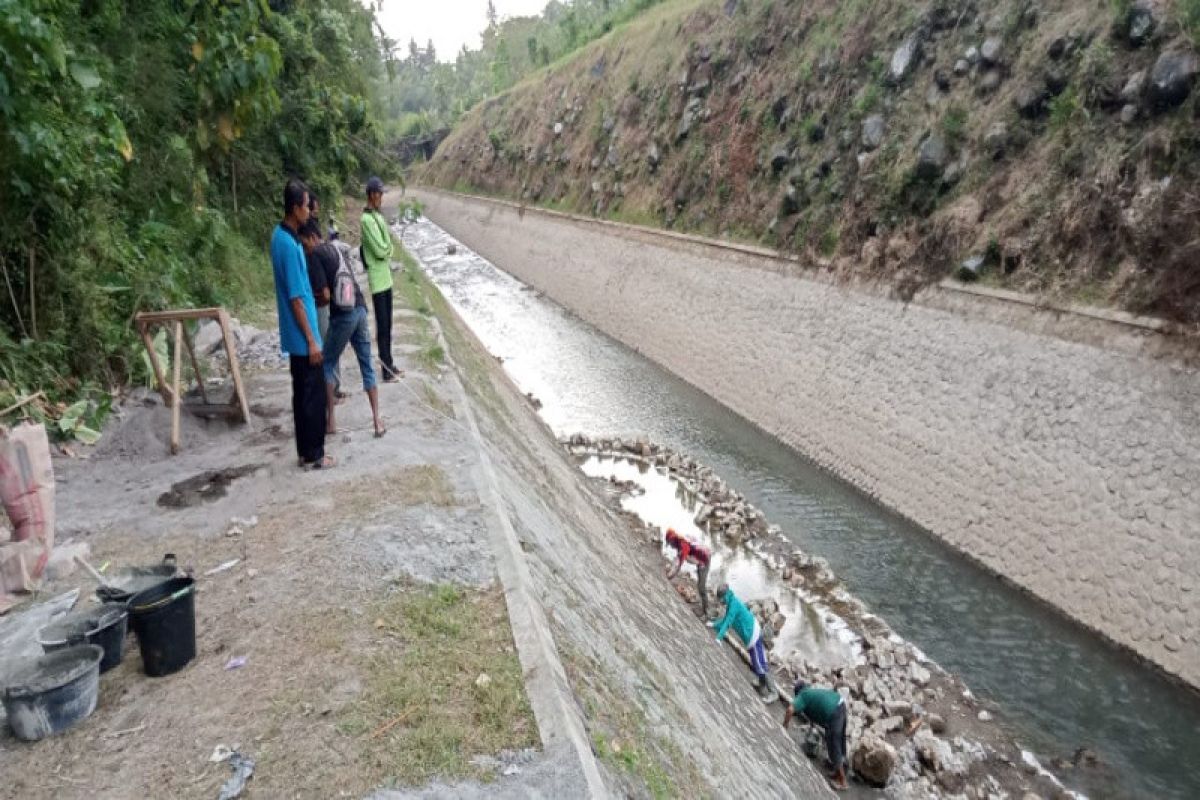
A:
377, 251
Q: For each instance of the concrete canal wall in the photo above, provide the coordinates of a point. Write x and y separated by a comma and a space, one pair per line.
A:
1059, 450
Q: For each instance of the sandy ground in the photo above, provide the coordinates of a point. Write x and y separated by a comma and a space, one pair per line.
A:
303, 603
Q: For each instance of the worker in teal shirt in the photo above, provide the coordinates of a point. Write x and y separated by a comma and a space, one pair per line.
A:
826, 708
738, 617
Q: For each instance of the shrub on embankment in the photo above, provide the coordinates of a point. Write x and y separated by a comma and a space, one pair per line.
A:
1049, 146
143, 147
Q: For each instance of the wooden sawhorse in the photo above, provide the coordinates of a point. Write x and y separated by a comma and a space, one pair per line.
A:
236, 407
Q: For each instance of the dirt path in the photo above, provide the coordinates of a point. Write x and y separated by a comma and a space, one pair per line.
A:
364, 600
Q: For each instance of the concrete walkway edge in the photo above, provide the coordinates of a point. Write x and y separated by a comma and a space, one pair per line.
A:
560, 725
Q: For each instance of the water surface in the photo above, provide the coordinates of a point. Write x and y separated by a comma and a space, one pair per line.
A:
1058, 687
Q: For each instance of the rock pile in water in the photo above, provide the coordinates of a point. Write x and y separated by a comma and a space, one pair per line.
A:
898, 738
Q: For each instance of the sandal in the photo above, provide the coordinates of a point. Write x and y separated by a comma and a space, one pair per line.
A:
326, 462
379, 434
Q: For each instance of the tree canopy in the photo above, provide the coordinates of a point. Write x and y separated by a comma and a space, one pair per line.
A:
143, 146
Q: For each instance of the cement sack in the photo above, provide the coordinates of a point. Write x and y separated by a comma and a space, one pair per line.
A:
27, 491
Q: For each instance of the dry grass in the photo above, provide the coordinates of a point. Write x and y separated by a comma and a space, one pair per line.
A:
423, 484
445, 687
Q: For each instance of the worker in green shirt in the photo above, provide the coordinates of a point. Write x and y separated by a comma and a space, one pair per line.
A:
826, 708
377, 260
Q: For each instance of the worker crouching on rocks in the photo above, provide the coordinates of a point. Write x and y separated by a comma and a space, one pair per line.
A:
826, 708
738, 617
697, 554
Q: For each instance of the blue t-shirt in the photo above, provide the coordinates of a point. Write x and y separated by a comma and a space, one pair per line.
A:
291, 281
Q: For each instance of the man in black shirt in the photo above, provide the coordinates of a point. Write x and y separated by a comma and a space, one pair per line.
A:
346, 325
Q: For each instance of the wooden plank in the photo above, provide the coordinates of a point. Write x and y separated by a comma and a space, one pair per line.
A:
187, 341
178, 315
159, 378
178, 396
239, 391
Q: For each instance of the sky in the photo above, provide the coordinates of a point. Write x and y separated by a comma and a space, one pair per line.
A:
449, 23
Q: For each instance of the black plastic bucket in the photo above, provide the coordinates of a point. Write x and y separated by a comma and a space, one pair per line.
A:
164, 619
103, 625
123, 584
48, 694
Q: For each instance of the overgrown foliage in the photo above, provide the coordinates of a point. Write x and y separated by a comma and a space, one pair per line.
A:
425, 94
143, 146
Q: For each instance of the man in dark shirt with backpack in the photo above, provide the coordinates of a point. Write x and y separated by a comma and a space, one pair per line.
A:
347, 320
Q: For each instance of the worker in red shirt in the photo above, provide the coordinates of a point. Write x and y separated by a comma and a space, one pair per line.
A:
696, 554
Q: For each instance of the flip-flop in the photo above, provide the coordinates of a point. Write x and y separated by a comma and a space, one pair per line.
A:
335, 431
381, 434
326, 462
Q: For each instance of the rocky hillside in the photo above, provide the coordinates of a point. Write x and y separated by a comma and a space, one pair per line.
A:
1044, 146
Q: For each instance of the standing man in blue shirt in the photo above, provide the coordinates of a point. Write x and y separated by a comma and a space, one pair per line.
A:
298, 332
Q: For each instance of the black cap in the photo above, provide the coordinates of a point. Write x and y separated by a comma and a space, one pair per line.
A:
374, 185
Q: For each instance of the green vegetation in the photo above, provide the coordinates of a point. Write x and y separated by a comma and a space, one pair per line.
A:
144, 147
446, 687
424, 94
954, 125
1189, 14
1066, 111
410, 291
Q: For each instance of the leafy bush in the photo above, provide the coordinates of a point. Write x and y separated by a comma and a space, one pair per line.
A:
144, 148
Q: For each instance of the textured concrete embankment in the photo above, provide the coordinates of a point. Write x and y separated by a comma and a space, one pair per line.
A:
1067, 464
667, 710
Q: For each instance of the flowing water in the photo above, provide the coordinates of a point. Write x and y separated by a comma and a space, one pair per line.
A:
1058, 687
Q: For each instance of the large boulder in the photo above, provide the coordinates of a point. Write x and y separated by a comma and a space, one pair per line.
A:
932, 156
1134, 86
1030, 101
995, 141
873, 759
208, 338
905, 57
1171, 78
691, 113
991, 52
1137, 25
873, 128
792, 201
780, 158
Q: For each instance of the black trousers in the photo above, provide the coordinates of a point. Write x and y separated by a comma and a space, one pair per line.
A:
382, 301
308, 408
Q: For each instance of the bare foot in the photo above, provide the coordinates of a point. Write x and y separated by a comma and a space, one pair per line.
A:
326, 462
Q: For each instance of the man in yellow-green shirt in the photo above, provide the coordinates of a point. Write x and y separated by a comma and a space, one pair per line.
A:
377, 260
